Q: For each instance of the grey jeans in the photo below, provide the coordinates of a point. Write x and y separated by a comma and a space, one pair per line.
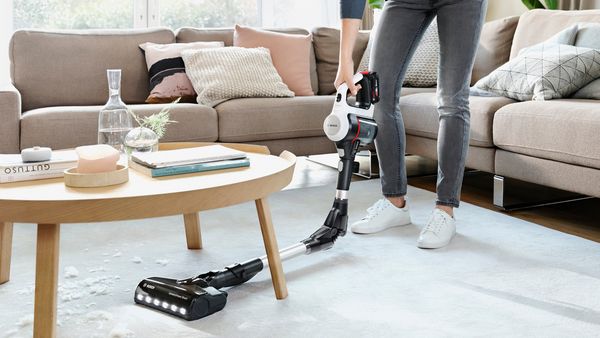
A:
402, 25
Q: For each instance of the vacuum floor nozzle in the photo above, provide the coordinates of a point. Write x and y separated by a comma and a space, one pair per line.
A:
185, 300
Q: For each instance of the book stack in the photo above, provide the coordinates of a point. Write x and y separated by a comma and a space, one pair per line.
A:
13, 169
188, 160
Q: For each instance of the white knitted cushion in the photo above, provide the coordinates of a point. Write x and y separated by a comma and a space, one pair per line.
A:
423, 67
219, 74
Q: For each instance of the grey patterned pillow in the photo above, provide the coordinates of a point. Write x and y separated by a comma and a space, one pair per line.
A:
422, 69
219, 74
544, 73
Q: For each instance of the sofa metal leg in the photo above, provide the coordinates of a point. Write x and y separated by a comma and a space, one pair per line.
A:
528, 195
499, 191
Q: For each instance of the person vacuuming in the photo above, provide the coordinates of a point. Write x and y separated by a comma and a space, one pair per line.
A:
350, 126
400, 28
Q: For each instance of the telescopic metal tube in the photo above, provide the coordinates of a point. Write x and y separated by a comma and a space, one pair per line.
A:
287, 253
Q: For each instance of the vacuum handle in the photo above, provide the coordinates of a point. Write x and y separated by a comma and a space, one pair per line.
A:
342, 92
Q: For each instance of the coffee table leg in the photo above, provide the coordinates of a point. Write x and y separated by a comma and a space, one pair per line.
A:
192, 231
268, 234
6, 230
46, 280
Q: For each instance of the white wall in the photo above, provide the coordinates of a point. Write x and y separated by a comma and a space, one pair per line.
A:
502, 8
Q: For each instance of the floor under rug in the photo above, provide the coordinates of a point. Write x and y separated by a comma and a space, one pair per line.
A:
500, 277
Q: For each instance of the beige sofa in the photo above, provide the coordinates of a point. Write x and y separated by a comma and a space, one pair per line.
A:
59, 86
60, 82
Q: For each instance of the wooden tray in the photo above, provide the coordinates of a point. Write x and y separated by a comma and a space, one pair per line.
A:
77, 180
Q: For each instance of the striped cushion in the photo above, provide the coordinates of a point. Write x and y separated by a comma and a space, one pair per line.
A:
168, 80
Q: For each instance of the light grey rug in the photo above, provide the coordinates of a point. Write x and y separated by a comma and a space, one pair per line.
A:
500, 276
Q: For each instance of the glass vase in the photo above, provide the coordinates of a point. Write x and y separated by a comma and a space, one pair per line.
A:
141, 140
114, 121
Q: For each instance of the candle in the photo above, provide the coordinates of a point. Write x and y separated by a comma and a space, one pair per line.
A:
96, 158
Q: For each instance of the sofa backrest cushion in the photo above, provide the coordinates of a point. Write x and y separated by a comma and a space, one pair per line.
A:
51, 68
189, 34
538, 25
494, 46
327, 50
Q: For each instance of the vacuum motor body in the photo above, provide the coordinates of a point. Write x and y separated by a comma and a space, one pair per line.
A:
342, 124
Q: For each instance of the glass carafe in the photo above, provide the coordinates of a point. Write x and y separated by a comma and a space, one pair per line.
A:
114, 121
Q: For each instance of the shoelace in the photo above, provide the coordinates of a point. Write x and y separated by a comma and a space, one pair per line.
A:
378, 207
435, 223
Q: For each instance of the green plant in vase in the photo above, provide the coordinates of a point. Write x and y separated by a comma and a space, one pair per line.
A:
150, 130
538, 4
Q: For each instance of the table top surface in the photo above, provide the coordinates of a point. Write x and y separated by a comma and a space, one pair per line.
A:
50, 200
139, 184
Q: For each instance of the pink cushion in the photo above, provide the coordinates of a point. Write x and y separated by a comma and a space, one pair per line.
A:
290, 54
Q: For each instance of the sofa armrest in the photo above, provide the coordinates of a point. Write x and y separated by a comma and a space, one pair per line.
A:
10, 119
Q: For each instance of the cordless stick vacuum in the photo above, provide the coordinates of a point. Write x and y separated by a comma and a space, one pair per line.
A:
350, 126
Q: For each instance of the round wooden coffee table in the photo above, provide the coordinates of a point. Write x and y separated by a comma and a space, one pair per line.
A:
48, 203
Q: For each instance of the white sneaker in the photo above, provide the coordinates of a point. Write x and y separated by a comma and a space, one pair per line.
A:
382, 215
438, 232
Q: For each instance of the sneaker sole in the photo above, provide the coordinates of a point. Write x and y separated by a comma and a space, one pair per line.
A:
436, 245
376, 230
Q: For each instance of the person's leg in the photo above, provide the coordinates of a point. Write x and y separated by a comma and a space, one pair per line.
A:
400, 29
459, 26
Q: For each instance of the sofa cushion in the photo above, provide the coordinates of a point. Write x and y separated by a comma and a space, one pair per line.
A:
560, 130
494, 46
188, 34
421, 118
51, 68
327, 51
422, 70
254, 119
68, 127
168, 79
290, 54
219, 74
538, 25
544, 72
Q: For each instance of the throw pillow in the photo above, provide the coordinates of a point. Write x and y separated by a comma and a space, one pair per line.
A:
590, 91
588, 36
494, 46
423, 67
327, 53
290, 54
219, 74
544, 73
168, 80
565, 37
